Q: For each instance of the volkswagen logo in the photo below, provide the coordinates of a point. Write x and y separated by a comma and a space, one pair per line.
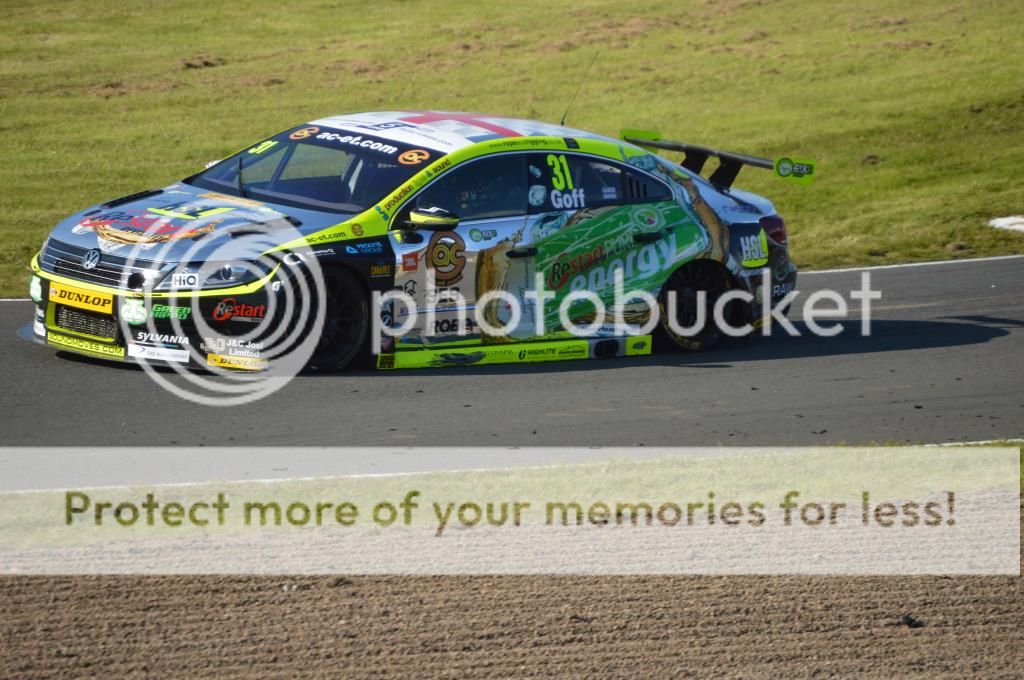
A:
91, 259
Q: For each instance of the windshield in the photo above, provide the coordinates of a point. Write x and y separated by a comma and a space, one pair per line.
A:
317, 168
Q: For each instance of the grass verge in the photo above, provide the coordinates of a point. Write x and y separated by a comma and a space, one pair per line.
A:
914, 111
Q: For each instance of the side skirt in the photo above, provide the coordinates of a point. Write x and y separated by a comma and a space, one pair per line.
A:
518, 353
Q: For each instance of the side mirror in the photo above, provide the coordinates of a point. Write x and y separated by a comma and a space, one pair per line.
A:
432, 219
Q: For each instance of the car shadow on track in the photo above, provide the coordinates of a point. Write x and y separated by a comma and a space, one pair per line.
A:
886, 336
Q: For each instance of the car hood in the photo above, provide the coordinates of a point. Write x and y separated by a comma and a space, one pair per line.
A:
164, 225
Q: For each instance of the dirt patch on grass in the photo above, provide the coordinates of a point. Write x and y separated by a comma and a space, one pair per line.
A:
510, 626
203, 61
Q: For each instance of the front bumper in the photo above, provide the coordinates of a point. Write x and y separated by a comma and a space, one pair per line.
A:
160, 329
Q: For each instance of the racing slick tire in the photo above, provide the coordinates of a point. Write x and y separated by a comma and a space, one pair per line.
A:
344, 338
685, 282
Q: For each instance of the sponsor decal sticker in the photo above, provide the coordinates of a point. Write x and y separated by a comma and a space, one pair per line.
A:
184, 280
446, 256
795, 169
147, 338
567, 265
482, 234
378, 270
754, 250
152, 353
85, 345
244, 363
84, 299
573, 351
133, 311
781, 289
453, 326
232, 346
438, 167
263, 146
387, 125
357, 140
410, 262
568, 200
230, 308
168, 312
534, 354
304, 133
538, 194
357, 229
414, 157
146, 228
365, 248
397, 197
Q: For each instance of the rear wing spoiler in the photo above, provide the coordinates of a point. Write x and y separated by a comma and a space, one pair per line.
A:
729, 163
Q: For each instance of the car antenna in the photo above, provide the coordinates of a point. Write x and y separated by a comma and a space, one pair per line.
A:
576, 94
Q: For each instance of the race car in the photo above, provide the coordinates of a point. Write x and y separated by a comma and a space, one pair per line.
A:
440, 239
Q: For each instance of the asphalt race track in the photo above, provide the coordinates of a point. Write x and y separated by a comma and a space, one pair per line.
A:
943, 364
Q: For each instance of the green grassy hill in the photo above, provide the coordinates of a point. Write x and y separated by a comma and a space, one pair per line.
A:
914, 110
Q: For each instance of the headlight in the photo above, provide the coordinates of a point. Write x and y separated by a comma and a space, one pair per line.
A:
211, 275
35, 289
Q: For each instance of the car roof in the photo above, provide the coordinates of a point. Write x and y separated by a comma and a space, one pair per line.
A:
447, 131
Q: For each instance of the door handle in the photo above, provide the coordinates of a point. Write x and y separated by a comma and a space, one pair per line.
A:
522, 252
649, 237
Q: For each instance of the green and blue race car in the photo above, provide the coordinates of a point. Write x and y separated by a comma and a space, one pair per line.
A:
438, 238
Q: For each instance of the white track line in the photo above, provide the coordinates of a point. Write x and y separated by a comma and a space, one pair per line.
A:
15, 300
278, 480
931, 263
379, 475
1009, 442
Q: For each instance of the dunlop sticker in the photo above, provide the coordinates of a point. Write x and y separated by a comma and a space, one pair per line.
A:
244, 363
85, 299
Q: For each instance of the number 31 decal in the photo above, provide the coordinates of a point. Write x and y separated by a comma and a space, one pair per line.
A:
561, 178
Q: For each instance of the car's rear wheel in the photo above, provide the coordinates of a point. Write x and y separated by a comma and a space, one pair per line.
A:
681, 300
343, 337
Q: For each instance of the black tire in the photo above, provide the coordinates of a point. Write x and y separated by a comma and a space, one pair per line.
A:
345, 333
685, 282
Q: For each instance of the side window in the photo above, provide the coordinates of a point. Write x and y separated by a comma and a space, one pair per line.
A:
643, 189
490, 187
561, 181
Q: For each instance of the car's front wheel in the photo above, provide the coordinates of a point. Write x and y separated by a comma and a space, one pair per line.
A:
346, 322
687, 304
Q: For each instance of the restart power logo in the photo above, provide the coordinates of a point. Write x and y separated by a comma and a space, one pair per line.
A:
230, 308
